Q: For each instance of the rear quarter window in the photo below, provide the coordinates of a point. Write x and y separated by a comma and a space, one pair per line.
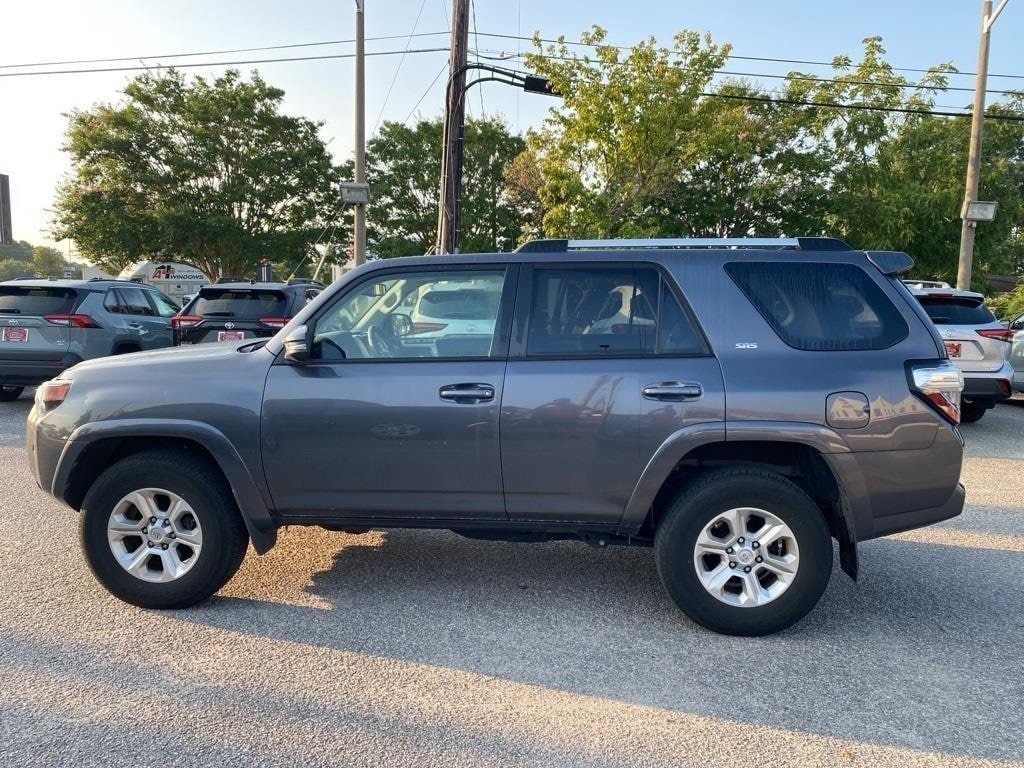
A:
18, 300
947, 310
820, 307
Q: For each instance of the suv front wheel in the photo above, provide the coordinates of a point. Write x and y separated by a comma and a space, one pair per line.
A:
744, 551
160, 529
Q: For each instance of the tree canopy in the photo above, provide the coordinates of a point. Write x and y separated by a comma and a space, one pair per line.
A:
207, 172
650, 141
403, 169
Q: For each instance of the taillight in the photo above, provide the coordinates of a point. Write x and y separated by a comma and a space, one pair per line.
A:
275, 322
939, 384
428, 327
73, 321
50, 394
1001, 334
185, 321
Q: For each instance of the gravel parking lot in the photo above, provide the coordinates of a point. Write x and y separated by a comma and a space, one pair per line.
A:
423, 648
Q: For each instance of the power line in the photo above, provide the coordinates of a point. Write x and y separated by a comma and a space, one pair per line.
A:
420, 101
212, 53
737, 56
398, 69
144, 67
942, 112
810, 78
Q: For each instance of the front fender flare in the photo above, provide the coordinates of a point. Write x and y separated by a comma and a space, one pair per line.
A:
259, 521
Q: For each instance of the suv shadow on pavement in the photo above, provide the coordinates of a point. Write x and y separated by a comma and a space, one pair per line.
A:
571, 618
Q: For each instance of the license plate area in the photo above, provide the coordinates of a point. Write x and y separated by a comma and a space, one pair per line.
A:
954, 348
230, 335
17, 335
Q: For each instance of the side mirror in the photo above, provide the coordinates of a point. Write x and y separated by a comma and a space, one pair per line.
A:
296, 345
401, 325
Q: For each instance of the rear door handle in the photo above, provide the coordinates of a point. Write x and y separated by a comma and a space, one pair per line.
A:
467, 393
673, 391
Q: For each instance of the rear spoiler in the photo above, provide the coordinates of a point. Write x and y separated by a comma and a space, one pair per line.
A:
890, 262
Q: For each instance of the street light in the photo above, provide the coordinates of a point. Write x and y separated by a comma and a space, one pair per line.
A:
449, 232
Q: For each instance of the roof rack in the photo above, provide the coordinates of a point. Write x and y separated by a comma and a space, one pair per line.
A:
685, 243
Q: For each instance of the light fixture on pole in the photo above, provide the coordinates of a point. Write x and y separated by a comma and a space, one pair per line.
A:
969, 227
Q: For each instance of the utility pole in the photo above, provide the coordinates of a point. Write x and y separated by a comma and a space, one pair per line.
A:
969, 227
359, 231
449, 213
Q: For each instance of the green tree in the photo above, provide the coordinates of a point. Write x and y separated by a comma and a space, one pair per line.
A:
47, 262
897, 178
208, 172
12, 268
638, 148
18, 251
403, 169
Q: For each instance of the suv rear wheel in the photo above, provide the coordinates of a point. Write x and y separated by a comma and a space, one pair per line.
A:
744, 551
971, 412
160, 529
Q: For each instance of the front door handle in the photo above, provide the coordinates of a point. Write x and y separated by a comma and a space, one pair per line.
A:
467, 393
673, 391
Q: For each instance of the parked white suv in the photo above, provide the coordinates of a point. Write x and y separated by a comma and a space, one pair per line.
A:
976, 341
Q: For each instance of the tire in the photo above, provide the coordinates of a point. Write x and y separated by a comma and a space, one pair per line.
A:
126, 349
972, 412
696, 507
10, 394
215, 516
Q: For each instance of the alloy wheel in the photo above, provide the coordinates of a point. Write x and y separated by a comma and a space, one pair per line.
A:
746, 557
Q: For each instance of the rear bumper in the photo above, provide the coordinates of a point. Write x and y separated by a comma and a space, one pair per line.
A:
918, 518
993, 387
28, 373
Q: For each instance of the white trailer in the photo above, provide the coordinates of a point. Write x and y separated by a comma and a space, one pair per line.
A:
174, 279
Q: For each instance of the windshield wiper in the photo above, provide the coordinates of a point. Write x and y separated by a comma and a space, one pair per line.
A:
218, 314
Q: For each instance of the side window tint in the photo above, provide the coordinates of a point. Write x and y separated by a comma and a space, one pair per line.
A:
164, 306
820, 307
676, 332
112, 302
595, 311
423, 314
134, 301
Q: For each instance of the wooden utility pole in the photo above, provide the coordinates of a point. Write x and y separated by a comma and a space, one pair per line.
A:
969, 227
359, 230
448, 219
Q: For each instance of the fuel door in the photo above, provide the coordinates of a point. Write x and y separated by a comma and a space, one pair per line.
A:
847, 410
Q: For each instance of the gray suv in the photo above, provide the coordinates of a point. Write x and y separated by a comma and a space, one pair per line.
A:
737, 405
47, 326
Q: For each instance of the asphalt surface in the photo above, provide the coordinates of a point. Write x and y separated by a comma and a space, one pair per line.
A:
423, 649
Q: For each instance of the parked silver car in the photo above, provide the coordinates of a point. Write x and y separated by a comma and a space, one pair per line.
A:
46, 326
976, 341
1016, 327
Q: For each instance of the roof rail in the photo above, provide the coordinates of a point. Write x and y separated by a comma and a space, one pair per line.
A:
685, 243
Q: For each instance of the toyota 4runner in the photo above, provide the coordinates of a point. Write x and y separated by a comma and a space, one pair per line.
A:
738, 405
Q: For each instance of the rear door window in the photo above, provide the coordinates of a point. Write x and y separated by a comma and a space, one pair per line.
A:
948, 310
134, 301
819, 306
590, 311
35, 302
239, 304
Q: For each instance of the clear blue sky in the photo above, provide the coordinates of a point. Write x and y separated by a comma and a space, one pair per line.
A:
917, 33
